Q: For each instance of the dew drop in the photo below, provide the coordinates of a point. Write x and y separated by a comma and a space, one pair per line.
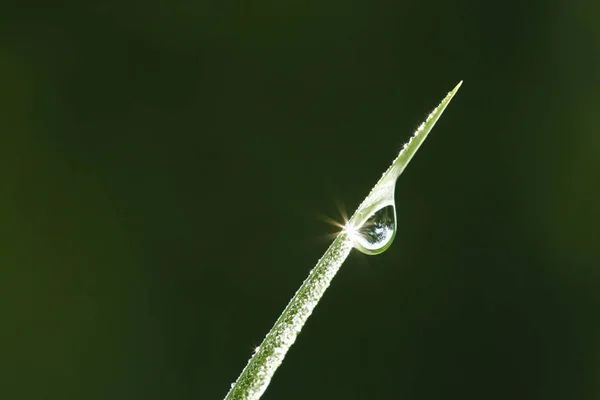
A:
377, 233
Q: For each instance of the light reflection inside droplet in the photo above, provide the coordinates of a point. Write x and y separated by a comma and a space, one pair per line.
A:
376, 234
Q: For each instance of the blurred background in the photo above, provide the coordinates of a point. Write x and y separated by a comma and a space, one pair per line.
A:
165, 167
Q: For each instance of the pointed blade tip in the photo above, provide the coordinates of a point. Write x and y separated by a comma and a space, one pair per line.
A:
457, 86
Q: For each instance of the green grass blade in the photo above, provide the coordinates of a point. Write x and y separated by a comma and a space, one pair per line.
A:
257, 374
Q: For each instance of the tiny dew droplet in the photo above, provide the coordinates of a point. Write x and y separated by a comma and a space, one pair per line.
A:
377, 233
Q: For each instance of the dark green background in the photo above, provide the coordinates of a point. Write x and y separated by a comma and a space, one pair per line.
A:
164, 166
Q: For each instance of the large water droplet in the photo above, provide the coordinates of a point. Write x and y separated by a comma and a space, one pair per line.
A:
377, 233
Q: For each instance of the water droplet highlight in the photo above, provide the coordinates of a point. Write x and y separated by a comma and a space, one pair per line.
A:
377, 233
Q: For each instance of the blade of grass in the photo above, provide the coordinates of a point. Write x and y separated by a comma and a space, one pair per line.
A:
257, 374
